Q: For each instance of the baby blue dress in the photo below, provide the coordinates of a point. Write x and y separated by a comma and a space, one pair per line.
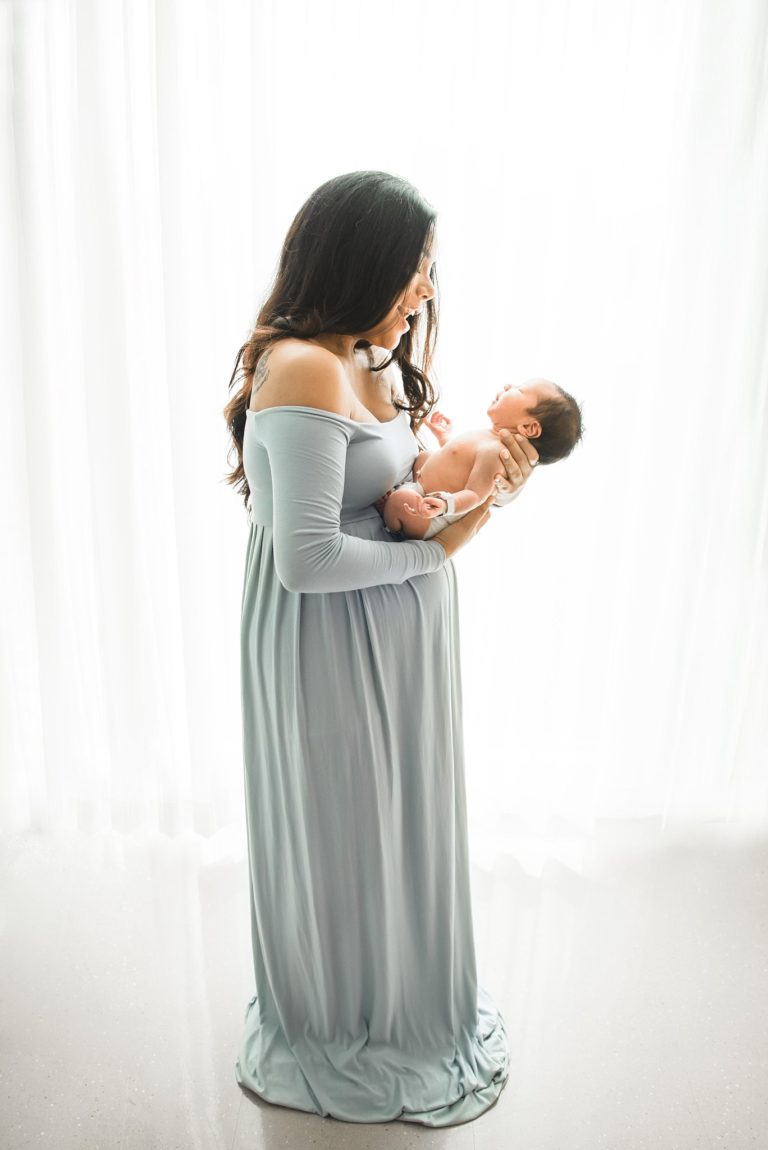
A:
367, 1006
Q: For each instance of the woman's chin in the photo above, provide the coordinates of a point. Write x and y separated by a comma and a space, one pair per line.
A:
389, 340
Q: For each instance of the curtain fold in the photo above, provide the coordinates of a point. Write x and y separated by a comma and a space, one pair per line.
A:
599, 170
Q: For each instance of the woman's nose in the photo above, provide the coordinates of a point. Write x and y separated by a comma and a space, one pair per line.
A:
425, 288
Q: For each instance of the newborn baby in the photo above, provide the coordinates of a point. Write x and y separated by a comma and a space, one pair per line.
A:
448, 483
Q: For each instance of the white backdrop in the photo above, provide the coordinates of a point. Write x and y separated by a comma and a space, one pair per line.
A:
599, 170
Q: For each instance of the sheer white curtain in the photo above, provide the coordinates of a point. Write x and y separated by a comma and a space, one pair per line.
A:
599, 169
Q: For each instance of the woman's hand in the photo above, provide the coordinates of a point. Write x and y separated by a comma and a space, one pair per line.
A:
521, 460
455, 535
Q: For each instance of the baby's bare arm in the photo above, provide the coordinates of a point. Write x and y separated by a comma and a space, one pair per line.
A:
480, 482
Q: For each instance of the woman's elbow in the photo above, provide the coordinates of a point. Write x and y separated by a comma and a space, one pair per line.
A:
307, 567
298, 573
293, 576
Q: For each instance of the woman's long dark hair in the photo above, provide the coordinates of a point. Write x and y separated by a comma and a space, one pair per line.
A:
348, 257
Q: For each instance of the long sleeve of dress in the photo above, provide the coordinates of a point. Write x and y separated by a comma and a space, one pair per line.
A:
307, 450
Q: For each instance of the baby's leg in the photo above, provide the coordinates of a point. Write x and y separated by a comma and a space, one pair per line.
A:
398, 518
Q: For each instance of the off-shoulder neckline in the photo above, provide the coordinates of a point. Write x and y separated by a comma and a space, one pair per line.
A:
332, 414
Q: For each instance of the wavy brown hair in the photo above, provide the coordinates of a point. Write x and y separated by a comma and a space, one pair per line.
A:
349, 255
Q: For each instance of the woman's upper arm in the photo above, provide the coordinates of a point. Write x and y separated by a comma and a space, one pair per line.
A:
308, 376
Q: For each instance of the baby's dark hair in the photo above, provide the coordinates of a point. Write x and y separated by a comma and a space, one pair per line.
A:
561, 426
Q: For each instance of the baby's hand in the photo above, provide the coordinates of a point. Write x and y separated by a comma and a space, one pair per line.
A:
428, 506
440, 424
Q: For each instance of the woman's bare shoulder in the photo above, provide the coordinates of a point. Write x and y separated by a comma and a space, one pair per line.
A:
292, 372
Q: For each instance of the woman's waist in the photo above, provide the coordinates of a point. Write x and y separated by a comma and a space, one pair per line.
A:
360, 521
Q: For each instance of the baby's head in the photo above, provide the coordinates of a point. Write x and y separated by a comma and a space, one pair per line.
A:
541, 411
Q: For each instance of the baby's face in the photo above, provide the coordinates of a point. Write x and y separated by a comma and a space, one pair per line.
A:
512, 404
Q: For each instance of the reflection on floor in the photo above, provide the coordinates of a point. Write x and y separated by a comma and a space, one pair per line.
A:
634, 986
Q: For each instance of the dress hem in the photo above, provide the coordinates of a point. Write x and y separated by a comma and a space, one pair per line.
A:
491, 1041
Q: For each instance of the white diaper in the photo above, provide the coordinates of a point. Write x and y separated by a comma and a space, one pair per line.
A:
439, 521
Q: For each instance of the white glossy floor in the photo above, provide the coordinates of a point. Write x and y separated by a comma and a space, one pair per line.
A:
634, 986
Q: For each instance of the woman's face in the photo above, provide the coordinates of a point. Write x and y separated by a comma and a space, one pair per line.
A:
419, 290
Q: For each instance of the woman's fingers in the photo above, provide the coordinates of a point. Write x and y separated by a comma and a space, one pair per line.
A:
486, 510
529, 454
521, 460
483, 510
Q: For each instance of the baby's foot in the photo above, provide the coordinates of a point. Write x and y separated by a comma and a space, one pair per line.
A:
427, 506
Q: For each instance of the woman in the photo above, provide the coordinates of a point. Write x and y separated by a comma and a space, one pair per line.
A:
367, 1006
